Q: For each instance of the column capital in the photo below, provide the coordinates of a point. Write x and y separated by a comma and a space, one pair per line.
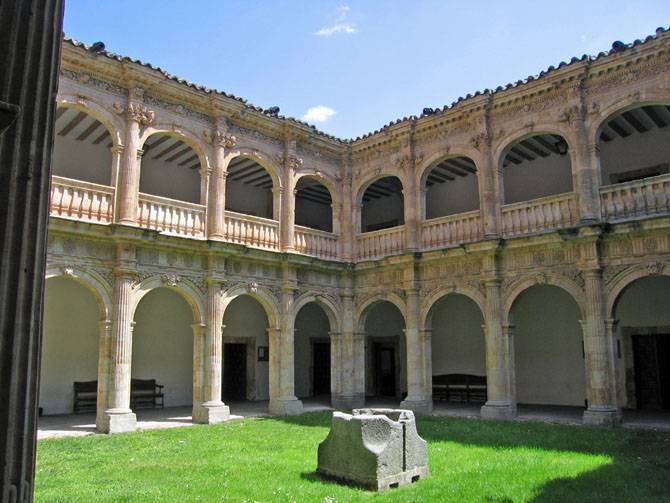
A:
494, 282
139, 114
592, 272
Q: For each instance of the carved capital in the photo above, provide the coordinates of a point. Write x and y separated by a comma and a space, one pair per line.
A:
224, 140
67, 270
139, 113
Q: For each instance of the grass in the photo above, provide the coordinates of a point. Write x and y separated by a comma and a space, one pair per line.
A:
274, 460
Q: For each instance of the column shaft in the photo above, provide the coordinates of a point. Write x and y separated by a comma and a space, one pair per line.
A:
104, 357
490, 187
417, 399
129, 179
584, 157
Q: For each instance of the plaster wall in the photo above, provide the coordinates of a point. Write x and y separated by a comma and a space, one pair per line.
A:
310, 323
634, 152
384, 320
69, 343
452, 197
458, 344
247, 199
314, 215
82, 160
550, 367
168, 179
163, 344
542, 177
245, 317
383, 209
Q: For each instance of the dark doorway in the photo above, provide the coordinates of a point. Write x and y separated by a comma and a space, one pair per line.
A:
234, 372
321, 368
651, 355
384, 370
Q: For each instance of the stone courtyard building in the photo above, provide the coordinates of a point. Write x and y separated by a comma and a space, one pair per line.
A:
228, 252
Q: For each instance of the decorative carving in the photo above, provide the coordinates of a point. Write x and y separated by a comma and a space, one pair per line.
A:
294, 162
139, 113
222, 139
178, 109
610, 272
253, 287
118, 108
138, 278
655, 267
67, 270
574, 275
541, 279
572, 114
81, 100
170, 279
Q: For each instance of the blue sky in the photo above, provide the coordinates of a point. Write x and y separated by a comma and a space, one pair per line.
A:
358, 65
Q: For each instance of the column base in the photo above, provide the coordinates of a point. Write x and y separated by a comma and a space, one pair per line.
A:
347, 401
211, 413
602, 416
418, 404
112, 421
504, 411
285, 406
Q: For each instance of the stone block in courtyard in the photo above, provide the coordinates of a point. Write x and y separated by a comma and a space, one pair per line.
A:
374, 448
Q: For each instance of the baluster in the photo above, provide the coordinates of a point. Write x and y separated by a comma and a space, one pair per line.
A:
519, 221
664, 196
628, 202
638, 200
618, 204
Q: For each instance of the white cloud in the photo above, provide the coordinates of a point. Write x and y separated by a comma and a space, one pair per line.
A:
341, 25
318, 113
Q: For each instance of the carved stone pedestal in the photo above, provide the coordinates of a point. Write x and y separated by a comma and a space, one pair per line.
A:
347, 401
118, 422
285, 406
211, 413
602, 416
494, 410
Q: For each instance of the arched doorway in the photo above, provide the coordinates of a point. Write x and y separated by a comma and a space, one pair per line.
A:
548, 348
451, 188
313, 205
382, 205
249, 189
312, 352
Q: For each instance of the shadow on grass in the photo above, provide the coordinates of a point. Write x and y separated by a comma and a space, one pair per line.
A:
639, 470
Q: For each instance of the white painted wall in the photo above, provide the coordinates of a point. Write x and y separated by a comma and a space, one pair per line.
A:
163, 344
311, 322
82, 160
245, 317
458, 344
539, 178
385, 320
550, 368
69, 343
637, 151
452, 197
247, 199
314, 215
168, 179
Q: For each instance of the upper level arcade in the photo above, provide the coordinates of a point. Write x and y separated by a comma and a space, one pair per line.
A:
583, 143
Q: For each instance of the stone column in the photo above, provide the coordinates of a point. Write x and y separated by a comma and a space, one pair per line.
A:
216, 207
586, 174
128, 188
212, 410
412, 219
427, 342
277, 193
348, 396
600, 391
615, 357
118, 418
104, 350
286, 404
359, 364
198, 366
335, 364
417, 400
489, 179
117, 160
273, 357
501, 403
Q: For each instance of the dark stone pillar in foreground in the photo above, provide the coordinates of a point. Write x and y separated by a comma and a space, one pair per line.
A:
30, 37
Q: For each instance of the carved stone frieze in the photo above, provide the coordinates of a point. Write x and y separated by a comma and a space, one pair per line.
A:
250, 134
85, 78
139, 277
611, 272
170, 279
178, 109
599, 84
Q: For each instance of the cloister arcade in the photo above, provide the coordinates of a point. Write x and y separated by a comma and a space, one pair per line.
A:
520, 235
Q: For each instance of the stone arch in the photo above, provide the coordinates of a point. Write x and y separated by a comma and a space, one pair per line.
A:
262, 294
445, 153
184, 134
188, 290
259, 156
91, 280
329, 308
363, 309
622, 104
364, 184
439, 293
575, 291
326, 182
113, 122
623, 281
521, 133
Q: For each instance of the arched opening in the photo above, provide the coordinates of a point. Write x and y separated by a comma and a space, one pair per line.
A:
383, 205
642, 315
549, 354
536, 166
385, 352
70, 344
249, 188
634, 161
163, 347
82, 147
313, 205
458, 349
312, 352
451, 188
246, 351
170, 168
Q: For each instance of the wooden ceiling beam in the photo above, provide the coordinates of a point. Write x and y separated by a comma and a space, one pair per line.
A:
245, 173
656, 119
522, 154
73, 123
90, 129
513, 159
168, 149
462, 163
614, 126
100, 138
190, 159
453, 170
162, 139
183, 151
60, 112
632, 120
551, 147
529, 146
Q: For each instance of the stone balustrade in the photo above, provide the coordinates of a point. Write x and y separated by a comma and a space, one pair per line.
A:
252, 231
81, 200
316, 243
539, 215
378, 244
650, 196
170, 216
451, 230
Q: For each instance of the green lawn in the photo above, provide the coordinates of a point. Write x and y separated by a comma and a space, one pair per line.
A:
263, 460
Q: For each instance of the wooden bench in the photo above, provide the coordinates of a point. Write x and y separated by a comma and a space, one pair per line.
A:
143, 393
459, 387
